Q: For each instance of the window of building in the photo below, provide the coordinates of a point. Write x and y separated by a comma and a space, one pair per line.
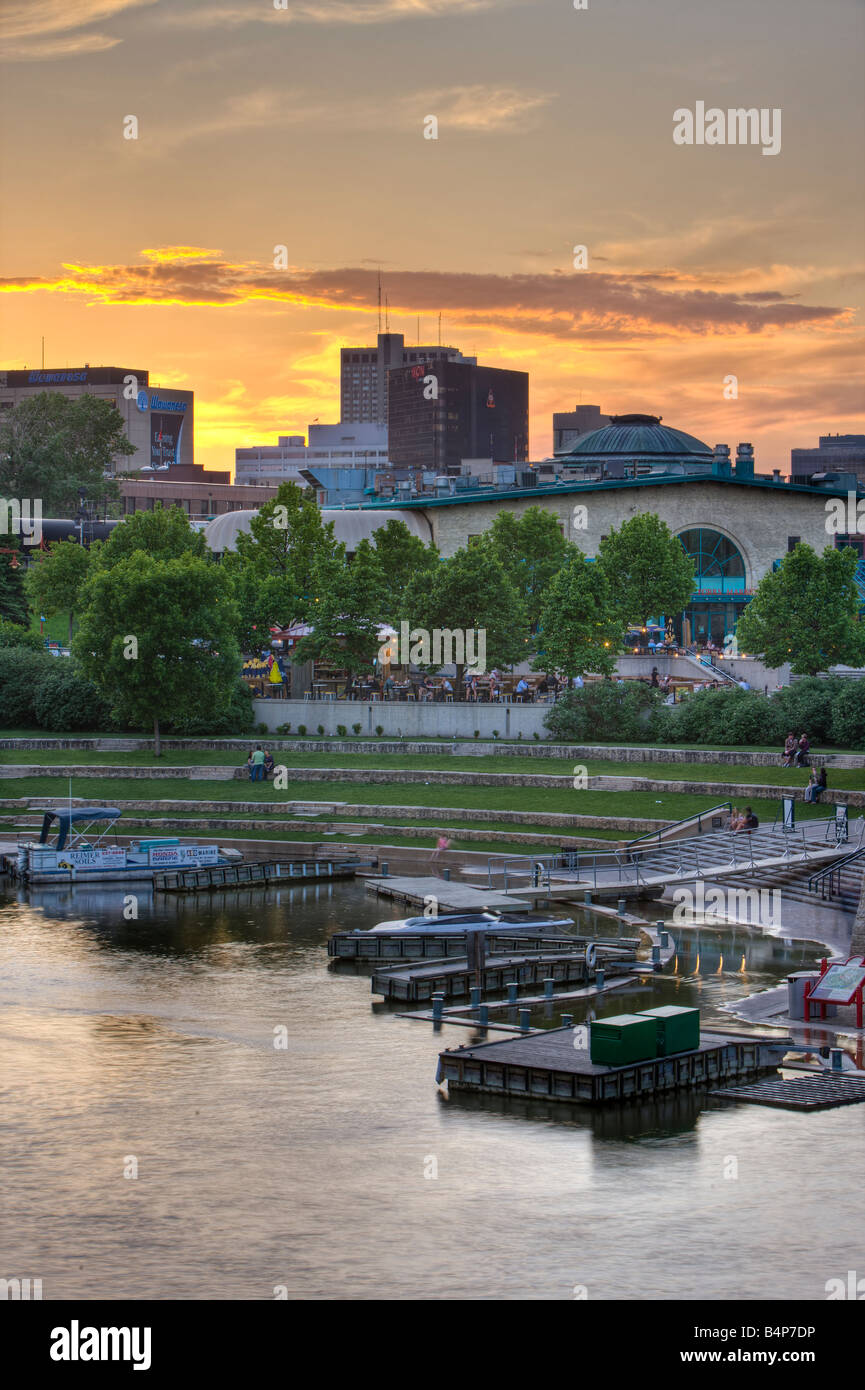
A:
792, 542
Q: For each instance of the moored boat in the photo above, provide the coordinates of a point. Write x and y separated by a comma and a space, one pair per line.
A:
448, 922
82, 852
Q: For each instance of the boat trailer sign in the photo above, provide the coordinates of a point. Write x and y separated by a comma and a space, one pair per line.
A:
50, 860
182, 856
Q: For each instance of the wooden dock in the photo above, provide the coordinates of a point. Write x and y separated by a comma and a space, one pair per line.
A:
454, 979
547, 1066
272, 871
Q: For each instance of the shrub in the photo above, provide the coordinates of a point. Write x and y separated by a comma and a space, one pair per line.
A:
730, 716
14, 635
356, 729
536, 736
477, 733
261, 728
808, 704
342, 731
321, 731
301, 729
66, 699
379, 729
283, 728
21, 673
495, 733
603, 710
848, 715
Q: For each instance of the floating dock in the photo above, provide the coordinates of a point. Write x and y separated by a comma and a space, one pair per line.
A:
454, 979
450, 897
819, 1092
256, 871
547, 1066
403, 945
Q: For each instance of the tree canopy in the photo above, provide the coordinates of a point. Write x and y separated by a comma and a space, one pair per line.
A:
648, 569
581, 627
163, 534
54, 580
531, 550
53, 449
471, 594
806, 612
348, 607
401, 556
157, 638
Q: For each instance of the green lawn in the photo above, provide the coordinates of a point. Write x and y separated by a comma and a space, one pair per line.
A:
503, 798
840, 778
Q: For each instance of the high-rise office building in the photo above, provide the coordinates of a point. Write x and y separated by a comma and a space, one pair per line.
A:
364, 370
837, 453
443, 412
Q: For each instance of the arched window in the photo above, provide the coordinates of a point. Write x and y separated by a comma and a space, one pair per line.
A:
718, 564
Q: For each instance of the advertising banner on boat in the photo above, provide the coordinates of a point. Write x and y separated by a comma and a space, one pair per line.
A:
182, 856
50, 860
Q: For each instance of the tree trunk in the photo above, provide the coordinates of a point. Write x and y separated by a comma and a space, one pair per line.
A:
157, 741
71, 615
857, 945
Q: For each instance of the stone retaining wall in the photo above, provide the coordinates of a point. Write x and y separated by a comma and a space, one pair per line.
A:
628, 824
624, 753
738, 791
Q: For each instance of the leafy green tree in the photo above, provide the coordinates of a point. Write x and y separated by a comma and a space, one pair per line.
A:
163, 534
273, 571
470, 593
54, 581
13, 600
648, 569
157, 637
14, 635
348, 610
21, 672
53, 448
402, 556
531, 550
806, 612
581, 627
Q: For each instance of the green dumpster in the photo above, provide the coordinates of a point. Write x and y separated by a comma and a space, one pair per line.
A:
624, 1038
678, 1028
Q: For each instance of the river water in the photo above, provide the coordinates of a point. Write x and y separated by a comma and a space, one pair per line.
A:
333, 1167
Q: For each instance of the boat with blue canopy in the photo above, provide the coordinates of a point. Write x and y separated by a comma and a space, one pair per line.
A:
81, 850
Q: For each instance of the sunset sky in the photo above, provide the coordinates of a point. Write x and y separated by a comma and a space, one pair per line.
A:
304, 126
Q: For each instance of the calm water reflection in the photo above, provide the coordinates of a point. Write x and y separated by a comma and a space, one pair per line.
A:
304, 1166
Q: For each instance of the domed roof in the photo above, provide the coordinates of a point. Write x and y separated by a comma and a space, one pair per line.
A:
638, 437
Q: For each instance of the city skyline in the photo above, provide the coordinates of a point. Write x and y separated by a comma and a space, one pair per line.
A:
303, 129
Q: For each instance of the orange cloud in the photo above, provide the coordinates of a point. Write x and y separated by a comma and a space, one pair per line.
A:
583, 306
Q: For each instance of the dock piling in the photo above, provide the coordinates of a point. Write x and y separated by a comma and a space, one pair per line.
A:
567, 1020
512, 991
599, 979
525, 1015
548, 987
438, 1004
483, 1015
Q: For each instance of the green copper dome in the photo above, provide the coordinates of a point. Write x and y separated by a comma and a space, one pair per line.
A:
640, 437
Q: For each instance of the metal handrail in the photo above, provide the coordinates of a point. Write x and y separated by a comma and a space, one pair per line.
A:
829, 873
683, 820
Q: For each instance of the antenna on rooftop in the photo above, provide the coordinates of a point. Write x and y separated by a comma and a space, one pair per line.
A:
379, 301
386, 315
440, 327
